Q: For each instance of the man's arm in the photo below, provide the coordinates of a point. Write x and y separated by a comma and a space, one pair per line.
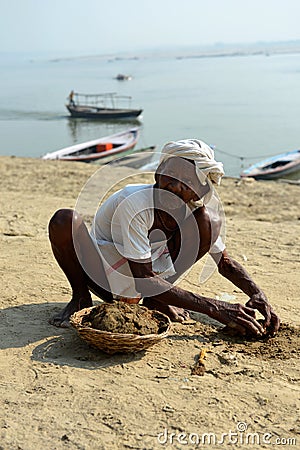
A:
242, 318
235, 272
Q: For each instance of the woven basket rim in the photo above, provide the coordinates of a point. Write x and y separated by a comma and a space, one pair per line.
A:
79, 327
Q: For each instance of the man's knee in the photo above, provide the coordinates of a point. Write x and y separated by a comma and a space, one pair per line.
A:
203, 220
63, 222
60, 219
209, 225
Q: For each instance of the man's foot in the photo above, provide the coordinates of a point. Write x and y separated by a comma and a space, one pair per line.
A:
174, 313
62, 319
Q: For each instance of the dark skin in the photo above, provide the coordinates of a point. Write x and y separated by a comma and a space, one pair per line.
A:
181, 181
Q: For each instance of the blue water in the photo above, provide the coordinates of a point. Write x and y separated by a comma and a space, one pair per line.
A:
247, 106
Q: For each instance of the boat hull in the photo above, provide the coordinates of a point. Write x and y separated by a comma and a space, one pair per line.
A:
285, 165
110, 146
102, 113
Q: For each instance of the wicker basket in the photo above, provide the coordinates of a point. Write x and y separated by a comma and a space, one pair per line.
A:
118, 342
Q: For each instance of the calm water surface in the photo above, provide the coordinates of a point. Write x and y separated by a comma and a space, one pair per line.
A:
247, 106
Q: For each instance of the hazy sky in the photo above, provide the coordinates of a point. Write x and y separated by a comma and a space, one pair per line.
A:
101, 26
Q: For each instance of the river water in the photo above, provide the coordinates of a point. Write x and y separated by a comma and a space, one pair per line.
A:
247, 106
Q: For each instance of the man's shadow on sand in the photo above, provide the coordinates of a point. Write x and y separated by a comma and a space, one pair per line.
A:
27, 324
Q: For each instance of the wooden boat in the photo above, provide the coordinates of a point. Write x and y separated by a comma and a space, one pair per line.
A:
106, 147
100, 106
284, 165
123, 77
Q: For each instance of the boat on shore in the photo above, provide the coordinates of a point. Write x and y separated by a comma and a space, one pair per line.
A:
284, 165
105, 148
101, 106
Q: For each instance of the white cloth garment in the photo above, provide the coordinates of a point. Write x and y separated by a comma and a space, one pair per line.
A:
199, 152
120, 232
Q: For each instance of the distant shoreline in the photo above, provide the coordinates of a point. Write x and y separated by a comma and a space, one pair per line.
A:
216, 50
213, 51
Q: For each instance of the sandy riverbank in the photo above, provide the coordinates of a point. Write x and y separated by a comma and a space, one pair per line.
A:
57, 393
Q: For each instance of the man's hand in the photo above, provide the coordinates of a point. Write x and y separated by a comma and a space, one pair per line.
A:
259, 301
239, 318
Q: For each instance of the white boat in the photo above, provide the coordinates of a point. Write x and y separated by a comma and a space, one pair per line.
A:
284, 165
115, 145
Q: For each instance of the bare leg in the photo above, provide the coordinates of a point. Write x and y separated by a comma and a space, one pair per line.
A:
193, 240
61, 238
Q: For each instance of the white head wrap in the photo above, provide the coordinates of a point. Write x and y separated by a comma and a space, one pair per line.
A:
199, 152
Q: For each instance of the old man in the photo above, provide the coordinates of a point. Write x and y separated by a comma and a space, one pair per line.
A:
144, 237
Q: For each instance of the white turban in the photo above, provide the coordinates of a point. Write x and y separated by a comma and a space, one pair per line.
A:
199, 152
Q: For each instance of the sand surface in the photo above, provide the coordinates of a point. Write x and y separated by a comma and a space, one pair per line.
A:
59, 393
